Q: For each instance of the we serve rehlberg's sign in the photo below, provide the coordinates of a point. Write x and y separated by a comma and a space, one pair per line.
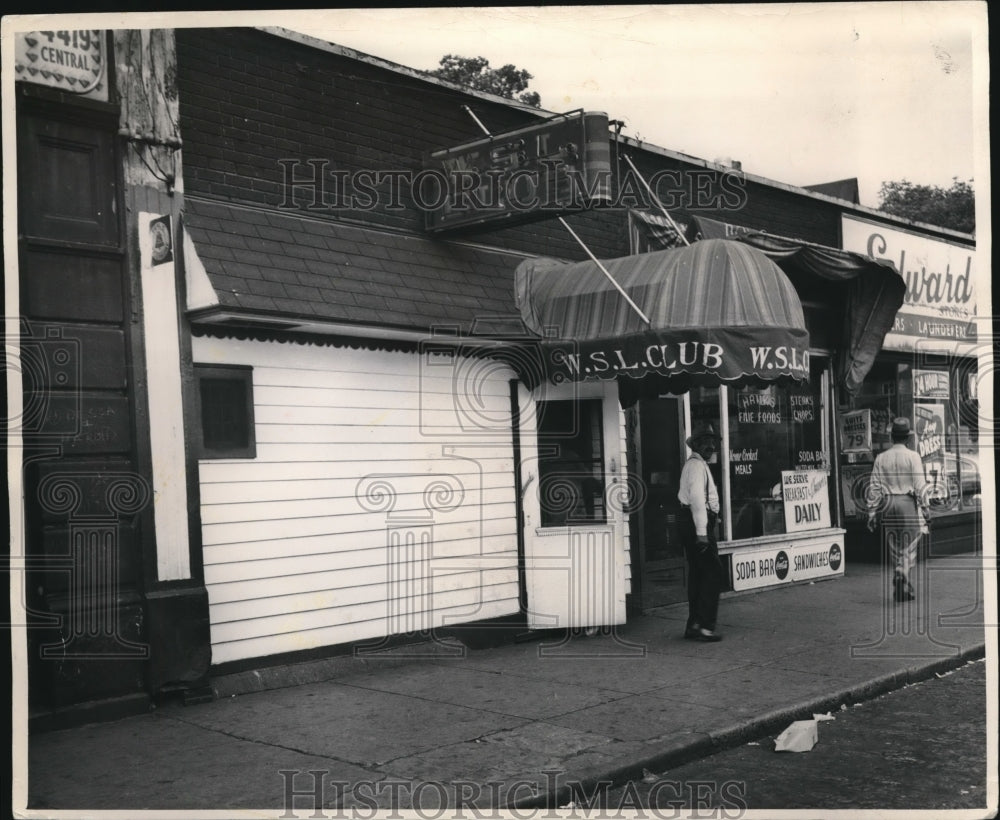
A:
939, 310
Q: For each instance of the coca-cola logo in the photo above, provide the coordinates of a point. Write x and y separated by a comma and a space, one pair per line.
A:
835, 557
781, 565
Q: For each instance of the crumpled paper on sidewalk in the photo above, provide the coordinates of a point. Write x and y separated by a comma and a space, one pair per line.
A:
801, 736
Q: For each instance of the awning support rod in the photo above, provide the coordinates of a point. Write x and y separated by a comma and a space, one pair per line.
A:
478, 121
604, 270
656, 199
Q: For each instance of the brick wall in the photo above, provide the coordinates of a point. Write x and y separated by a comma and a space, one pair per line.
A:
249, 99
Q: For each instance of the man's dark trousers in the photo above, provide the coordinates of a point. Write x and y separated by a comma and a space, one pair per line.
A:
704, 572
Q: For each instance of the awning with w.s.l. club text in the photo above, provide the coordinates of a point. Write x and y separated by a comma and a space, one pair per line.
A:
720, 312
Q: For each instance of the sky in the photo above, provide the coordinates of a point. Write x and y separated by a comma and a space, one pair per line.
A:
799, 93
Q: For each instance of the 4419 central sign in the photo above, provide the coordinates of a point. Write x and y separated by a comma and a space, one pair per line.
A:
558, 166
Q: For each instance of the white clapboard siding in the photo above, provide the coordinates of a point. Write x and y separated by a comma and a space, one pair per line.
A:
322, 604
380, 561
426, 449
349, 555
260, 589
373, 535
415, 609
359, 567
335, 509
350, 430
376, 397
381, 499
315, 591
254, 492
468, 605
241, 472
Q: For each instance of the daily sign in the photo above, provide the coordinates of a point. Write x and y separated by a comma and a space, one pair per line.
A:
807, 500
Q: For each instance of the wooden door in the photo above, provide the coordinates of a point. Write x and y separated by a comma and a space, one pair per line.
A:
660, 458
85, 500
572, 482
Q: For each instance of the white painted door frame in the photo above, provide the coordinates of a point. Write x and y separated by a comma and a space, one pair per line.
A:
575, 575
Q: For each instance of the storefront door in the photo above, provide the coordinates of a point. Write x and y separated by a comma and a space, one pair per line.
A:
573, 493
656, 441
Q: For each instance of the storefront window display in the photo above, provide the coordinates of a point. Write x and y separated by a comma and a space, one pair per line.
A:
938, 397
773, 432
571, 476
773, 468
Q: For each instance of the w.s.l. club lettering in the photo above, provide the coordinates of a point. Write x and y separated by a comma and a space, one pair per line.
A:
702, 356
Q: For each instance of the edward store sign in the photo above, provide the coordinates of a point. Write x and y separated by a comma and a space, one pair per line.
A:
939, 310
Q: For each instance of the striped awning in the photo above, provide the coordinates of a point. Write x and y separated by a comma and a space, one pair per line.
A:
719, 312
869, 292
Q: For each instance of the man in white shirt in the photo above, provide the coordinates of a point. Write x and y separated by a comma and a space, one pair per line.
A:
700, 509
898, 492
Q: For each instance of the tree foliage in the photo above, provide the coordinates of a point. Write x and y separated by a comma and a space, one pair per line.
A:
953, 207
476, 73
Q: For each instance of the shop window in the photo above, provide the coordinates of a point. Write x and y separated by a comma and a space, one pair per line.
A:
966, 375
225, 412
866, 421
705, 413
943, 438
778, 464
938, 396
571, 463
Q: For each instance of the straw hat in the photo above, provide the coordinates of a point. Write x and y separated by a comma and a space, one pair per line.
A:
901, 428
701, 432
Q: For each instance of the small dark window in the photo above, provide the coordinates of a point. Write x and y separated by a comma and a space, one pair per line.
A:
225, 412
571, 463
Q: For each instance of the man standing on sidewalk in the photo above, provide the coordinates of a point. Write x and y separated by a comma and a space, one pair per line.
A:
897, 497
700, 510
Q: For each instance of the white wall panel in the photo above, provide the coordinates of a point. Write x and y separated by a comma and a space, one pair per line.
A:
381, 499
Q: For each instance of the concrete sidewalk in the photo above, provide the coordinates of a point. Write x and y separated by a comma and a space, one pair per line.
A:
520, 724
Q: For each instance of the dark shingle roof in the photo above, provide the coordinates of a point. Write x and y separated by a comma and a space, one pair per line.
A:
310, 269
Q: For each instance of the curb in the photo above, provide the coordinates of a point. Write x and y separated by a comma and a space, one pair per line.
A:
703, 745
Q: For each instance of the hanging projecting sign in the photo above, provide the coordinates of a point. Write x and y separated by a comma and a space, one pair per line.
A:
807, 499
856, 431
939, 310
72, 61
561, 165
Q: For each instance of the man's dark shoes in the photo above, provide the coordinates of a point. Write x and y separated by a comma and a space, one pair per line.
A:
903, 588
691, 632
706, 635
